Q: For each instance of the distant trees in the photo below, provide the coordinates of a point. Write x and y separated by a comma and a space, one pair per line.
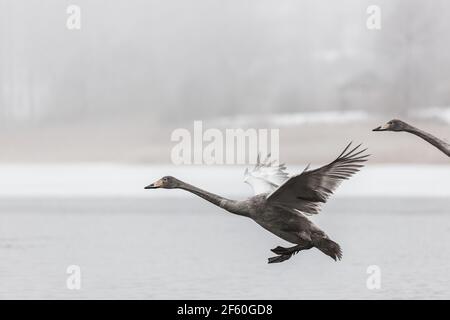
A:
414, 53
179, 60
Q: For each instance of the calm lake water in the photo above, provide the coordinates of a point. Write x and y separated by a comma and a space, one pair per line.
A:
186, 248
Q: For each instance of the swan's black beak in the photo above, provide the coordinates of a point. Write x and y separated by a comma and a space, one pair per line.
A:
384, 127
155, 185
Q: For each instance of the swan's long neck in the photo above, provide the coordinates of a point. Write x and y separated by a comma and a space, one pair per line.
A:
438, 143
227, 204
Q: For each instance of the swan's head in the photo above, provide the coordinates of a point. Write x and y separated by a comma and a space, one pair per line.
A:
393, 125
166, 182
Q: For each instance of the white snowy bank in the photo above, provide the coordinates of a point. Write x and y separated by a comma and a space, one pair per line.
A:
117, 180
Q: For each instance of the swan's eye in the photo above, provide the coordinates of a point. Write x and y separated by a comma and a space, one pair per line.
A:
165, 179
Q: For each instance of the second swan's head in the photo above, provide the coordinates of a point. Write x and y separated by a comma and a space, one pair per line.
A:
393, 125
166, 182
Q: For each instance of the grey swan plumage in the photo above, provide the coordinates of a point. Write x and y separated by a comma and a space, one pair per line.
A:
399, 126
282, 203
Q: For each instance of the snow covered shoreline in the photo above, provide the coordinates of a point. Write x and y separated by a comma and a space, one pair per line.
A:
119, 180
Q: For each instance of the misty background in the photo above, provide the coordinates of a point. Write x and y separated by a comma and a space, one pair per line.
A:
114, 90
86, 118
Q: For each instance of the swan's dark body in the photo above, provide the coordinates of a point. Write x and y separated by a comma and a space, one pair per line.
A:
401, 126
283, 211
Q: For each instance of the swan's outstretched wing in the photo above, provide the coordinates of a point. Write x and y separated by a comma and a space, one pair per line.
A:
265, 176
305, 192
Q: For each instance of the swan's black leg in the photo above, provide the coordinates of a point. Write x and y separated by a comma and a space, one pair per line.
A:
281, 250
278, 259
291, 250
286, 253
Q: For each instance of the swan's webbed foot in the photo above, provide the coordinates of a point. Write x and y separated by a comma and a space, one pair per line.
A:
282, 251
285, 253
279, 258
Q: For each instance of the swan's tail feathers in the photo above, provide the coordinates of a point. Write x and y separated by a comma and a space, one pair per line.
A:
330, 248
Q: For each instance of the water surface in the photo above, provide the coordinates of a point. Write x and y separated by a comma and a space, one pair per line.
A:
185, 248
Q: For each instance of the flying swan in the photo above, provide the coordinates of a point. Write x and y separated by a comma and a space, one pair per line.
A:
281, 203
398, 126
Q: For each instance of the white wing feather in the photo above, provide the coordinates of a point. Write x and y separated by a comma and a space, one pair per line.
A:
266, 176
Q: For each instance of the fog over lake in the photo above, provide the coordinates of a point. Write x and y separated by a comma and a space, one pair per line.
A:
88, 115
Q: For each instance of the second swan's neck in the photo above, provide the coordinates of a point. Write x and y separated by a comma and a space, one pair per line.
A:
438, 143
227, 204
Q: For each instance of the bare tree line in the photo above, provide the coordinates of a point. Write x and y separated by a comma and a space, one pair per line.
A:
179, 59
